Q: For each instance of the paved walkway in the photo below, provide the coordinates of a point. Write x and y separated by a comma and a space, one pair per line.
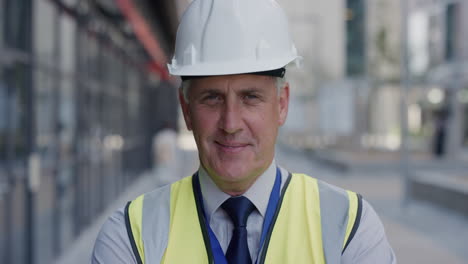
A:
419, 234
81, 249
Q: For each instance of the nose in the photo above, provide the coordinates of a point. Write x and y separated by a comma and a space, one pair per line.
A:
231, 117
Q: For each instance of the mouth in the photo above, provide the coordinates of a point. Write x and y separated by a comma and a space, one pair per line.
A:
231, 147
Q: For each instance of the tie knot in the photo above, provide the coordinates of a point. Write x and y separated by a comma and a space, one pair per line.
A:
238, 208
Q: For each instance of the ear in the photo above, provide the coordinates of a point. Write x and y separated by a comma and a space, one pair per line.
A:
283, 104
185, 110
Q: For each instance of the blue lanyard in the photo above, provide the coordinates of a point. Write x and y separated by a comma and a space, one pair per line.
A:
216, 249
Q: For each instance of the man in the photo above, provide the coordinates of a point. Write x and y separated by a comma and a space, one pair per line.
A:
240, 206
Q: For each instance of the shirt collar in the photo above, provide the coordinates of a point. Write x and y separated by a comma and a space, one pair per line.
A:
258, 193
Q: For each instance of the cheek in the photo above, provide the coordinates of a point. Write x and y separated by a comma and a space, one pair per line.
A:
272, 116
264, 125
203, 122
267, 126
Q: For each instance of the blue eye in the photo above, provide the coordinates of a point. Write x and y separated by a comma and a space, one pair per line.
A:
250, 96
212, 98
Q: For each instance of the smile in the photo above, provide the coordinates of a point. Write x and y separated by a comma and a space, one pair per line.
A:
231, 147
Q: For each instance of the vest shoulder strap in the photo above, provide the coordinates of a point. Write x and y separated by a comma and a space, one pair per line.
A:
147, 222
340, 215
354, 217
133, 223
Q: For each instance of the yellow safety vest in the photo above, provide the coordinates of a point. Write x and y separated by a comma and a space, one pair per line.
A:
314, 224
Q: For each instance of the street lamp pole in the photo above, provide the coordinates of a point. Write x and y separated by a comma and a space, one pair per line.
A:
404, 79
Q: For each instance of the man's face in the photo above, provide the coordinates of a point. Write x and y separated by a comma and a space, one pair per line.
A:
235, 121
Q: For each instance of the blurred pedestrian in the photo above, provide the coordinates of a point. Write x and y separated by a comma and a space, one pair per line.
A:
165, 156
240, 206
440, 133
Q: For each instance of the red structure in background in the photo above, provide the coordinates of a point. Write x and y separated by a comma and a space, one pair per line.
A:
148, 40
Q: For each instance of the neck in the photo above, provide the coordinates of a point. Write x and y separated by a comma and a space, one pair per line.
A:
235, 187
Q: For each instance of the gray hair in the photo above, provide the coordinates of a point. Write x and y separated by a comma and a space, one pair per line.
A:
280, 83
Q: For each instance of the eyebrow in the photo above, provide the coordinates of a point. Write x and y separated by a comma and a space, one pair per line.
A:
214, 90
250, 89
210, 91
243, 90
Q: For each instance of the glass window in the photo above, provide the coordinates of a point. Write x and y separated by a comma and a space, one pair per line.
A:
67, 65
3, 119
14, 78
13, 128
93, 58
17, 31
450, 30
3, 91
355, 37
44, 48
465, 130
2, 18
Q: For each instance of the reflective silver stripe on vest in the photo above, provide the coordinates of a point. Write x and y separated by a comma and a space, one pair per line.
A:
155, 223
334, 206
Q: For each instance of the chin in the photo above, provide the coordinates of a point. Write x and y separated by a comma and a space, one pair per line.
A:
231, 173
239, 171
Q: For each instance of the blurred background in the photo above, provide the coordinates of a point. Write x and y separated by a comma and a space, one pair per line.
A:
89, 117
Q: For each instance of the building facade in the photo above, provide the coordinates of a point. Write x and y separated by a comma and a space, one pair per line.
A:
77, 114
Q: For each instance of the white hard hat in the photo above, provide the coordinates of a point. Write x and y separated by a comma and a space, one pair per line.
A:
219, 37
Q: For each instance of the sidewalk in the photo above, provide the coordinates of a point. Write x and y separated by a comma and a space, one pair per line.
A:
80, 251
419, 233
442, 188
442, 182
371, 160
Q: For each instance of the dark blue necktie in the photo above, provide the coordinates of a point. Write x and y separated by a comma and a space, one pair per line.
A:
238, 209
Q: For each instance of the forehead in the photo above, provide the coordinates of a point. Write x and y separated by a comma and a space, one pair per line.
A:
233, 81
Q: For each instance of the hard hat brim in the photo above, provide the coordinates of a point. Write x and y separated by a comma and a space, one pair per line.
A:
229, 68
273, 73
